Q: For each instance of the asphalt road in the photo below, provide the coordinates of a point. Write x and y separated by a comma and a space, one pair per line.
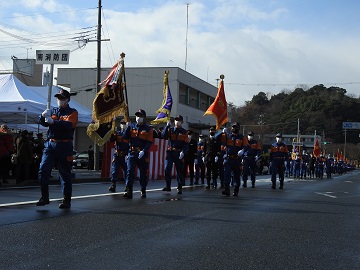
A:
311, 224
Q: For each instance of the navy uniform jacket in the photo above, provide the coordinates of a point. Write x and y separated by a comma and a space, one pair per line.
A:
177, 138
201, 147
279, 151
121, 142
232, 143
140, 136
65, 121
191, 152
212, 148
254, 149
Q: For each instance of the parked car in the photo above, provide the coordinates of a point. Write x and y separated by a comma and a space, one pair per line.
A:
81, 160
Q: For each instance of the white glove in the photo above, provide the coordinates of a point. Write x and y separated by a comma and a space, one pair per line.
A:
49, 120
46, 113
203, 159
225, 130
285, 163
168, 123
241, 152
126, 157
195, 161
128, 124
216, 159
141, 154
181, 155
256, 158
225, 156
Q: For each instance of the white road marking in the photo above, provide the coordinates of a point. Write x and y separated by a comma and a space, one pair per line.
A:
78, 197
327, 195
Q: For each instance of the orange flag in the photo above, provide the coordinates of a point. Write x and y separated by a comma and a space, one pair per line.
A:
219, 107
317, 150
339, 155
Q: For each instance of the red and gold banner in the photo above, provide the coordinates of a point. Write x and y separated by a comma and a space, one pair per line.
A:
108, 104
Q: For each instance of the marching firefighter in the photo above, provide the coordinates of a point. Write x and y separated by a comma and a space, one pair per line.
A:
234, 145
58, 149
120, 154
250, 159
278, 159
141, 137
178, 143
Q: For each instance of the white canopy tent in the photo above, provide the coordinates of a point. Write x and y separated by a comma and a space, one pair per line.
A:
22, 104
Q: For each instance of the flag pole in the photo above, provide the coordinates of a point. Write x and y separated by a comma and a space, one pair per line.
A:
126, 116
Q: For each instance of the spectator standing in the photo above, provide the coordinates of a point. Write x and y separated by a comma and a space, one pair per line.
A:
6, 149
24, 157
91, 158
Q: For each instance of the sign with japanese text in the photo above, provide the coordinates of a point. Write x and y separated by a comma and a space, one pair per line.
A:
351, 125
52, 57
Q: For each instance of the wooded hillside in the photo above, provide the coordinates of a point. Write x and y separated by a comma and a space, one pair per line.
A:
318, 109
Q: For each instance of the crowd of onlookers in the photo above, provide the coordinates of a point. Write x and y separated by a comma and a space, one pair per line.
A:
28, 151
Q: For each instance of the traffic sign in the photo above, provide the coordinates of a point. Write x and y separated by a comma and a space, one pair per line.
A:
297, 144
351, 125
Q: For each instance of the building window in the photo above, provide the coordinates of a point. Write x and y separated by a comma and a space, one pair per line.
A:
183, 94
194, 98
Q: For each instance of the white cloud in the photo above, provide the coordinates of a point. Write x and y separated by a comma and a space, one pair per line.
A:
224, 37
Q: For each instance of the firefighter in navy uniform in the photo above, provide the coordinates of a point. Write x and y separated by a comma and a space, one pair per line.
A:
279, 155
212, 154
120, 154
178, 143
189, 158
140, 138
233, 146
199, 160
250, 159
58, 148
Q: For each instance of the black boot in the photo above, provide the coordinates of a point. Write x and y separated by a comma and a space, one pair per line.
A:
66, 203
44, 197
143, 192
167, 187
253, 184
129, 193
273, 186
226, 191
236, 191
281, 185
191, 182
179, 189
112, 188
244, 184
196, 181
208, 184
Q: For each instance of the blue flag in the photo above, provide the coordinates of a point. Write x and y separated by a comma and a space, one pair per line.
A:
165, 109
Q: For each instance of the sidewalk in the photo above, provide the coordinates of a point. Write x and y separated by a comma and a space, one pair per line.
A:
81, 176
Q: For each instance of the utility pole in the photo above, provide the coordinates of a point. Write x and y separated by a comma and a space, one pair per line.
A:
98, 76
187, 27
345, 146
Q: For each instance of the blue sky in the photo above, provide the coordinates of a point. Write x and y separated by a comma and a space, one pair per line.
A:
260, 45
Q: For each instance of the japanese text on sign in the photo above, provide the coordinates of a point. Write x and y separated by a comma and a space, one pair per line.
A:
52, 57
